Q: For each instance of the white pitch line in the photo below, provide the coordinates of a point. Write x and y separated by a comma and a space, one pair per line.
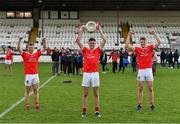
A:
22, 99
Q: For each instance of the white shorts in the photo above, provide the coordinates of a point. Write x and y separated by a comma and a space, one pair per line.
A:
91, 79
145, 75
8, 62
31, 79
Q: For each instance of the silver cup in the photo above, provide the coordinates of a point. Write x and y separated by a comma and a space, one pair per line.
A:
91, 26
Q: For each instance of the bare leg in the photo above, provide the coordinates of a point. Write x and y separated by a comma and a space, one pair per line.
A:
96, 101
36, 95
27, 91
85, 98
140, 92
150, 92
96, 98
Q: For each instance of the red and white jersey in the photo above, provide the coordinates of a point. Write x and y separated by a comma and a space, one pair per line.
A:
31, 62
114, 56
9, 56
144, 56
91, 59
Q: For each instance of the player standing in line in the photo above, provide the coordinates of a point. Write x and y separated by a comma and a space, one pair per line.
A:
8, 60
30, 59
144, 54
91, 75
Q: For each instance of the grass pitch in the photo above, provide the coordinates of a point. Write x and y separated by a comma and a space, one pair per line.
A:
61, 103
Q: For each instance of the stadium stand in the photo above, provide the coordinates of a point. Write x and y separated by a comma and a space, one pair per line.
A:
11, 29
165, 27
61, 33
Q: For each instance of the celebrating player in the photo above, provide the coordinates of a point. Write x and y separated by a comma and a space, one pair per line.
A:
91, 76
144, 55
8, 60
30, 59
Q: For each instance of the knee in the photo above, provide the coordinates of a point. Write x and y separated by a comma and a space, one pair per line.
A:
140, 88
96, 95
150, 89
85, 95
35, 91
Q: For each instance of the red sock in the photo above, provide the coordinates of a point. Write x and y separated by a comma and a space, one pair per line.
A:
97, 109
84, 109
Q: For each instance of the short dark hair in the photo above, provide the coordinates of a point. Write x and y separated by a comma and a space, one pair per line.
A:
143, 38
9, 47
31, 44
92, 39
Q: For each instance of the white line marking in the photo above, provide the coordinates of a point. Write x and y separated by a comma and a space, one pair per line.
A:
22, 99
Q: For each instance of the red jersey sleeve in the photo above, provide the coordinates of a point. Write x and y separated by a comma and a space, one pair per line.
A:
23, 54
84, 50
39, 53
99, 50
151, 48
136, 50
12, 53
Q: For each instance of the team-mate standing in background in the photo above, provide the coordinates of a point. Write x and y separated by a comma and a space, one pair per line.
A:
8, 61
114, 55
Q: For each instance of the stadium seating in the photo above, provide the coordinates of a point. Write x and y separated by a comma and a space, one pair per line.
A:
60, 33
11, 29
165, 27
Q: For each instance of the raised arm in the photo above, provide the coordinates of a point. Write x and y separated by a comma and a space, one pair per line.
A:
128, 45
79, 37
103, 38
157, 39
19, 45
43, 45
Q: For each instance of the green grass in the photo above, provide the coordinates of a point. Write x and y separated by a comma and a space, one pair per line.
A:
118, 96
